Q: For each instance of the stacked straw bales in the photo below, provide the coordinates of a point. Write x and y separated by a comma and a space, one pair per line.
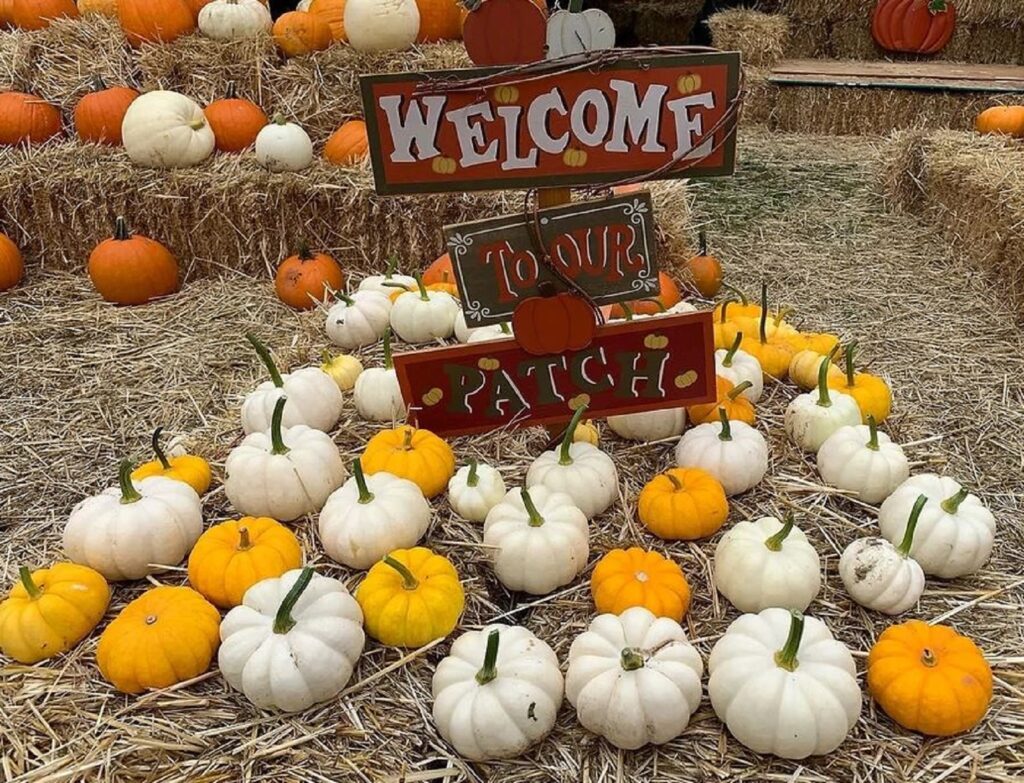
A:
645, 22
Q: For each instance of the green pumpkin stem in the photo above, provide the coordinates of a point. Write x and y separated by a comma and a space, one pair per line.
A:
283, 620
389, 363
488, 671
731, 353
631, 659
952, 504
764, 313
726, 433
423, 289
786, 657
824, 399
774, 542
575, 6
276, 438
738, 295
505, 328
124, 477
391, 267
473, 479
627, 311
677, 485
738, 390
908, 536
407, 439
121, 232
536, 520
365, 496
849, 365
564, 457
26, 581
873, 430
97, 83
164, 463
409, 581
725, 306
268, 361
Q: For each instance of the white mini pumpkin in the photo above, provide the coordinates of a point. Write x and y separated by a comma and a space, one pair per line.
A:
283, 474
649, 426
537, 539
732, 451
166, 130
955, 532
462, 330
881, 576
283, 146
812, 417
423, 316
377, 393
740, 367
293, 642
358, 320
783, 685
234, 20
862, 460
314, 398
381, 25
582, 471
486, 334
132, 530
634, 679
474, 490
497, 693
388, 282
370, 516
576, 31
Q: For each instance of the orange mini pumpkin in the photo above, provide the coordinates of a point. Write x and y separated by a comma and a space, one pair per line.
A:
624, 578
299, 33
304, 278
440, 20
153, 21
332, 12
731, 399
1002, 120
37, 14
99, 115
683, 504
668, 296
348, 145
235, 121
130, 270
705, 270
12, 265
27, 119
929, 678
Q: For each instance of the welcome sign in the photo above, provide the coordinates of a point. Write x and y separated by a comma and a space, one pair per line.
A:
556, 126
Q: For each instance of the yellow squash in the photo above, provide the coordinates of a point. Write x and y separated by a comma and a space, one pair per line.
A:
193, 470
873, 396
417, 455
683, 504
51, 610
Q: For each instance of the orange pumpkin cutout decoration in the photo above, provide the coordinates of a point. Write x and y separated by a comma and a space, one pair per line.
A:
131, 270
348, 145
99, 115
304, 278
440, 20
624, 578
929, 678
1002, 120
504, 32
553, 323
440, 271
730, 399
705, 270
298, 33
235, 121
37, 14
27, 119
332, 13
153, 21
913, 26
12, 265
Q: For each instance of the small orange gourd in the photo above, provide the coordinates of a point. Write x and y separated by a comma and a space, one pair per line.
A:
683, 504
414, 454
131, 270
873, 396
439, 271
668, 297
770, 347
305, 278
235, 121
348, 145
192, 470
705, 270
635, 577
730, 399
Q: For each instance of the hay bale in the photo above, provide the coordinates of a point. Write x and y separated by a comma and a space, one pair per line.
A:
1005, 12
823, 11
644, 22
971, 43
759, 98
762, 38
808, 41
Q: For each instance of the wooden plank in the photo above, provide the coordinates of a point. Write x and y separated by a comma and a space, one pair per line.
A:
900, 75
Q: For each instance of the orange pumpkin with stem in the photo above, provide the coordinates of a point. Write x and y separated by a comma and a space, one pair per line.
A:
37, 14
440, 271
1002, 120
705, 270
12, 265
873, 396
771, 349
348, 145
304, 278
668, 296
414, 454
299, 33
683, 504
129, 270
152, 21
27, 119
624, 578
235, 121
99, 114
730, 399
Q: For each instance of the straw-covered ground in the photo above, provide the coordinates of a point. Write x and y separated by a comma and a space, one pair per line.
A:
84, 384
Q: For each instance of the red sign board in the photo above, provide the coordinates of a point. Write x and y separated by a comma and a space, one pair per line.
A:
640, 365
555, 126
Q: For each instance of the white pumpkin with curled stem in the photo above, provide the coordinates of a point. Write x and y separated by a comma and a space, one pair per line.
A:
497, 693
740, 367
422, 316
314, 399
783, 685
634, 679
812, 417
134, 529
860, 459
955, 532
370, 516
234, 20
538, 540
732, 451
383, 284
359, 319
582, 471
293, 642
475, 489
284, 473
767, 563
377, 394
883, 577
575, 31
649, 426
344, 369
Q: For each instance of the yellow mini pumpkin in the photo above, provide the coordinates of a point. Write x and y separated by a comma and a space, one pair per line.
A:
819, 342
873, 396
411, 598
738, 305
417, 455
769, 343
683, 504
587, 432
929, 678
194, 471
165, 636
231, 557
731, 399
635, 577
344, 369
51, 610
804, 366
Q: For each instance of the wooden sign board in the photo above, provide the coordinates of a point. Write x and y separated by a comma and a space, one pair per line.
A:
607, 247
641, 365
554, 127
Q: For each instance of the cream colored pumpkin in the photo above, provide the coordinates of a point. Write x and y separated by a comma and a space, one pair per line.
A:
283, 146
166, 130
381, 25
234, 20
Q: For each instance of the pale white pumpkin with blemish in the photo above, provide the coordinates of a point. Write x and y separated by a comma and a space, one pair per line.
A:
475, 489
358, 320
389, 282
732, 451
381, 25
860, 459
649, 426
422, 316
234, 20
283, 146
740, 367
813, 417
166, 130
634, 678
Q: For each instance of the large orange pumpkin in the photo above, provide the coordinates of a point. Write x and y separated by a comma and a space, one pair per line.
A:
348, 145
440, 20
12, 265
333, 13
27, 119
6, 14
155, 20
1003, 120
101, 7
300, 32
235, 121
198, 5
302, 279
37, 14
441, 271
99, 115
130, 269
668, 296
